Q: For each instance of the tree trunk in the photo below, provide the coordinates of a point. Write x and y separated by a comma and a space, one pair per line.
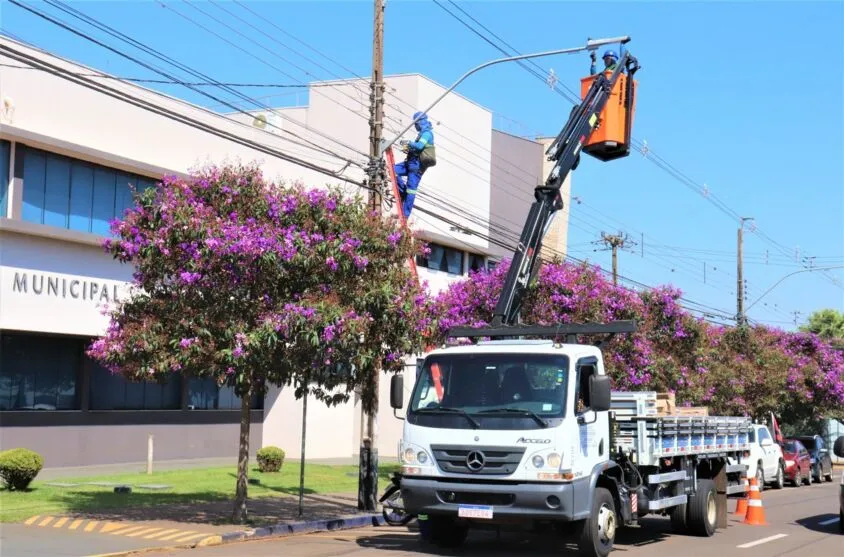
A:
239, 513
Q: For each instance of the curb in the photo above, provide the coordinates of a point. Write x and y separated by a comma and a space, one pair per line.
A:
294, 528
278, 531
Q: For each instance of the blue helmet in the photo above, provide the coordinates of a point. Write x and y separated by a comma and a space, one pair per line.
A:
611, 54
422, 123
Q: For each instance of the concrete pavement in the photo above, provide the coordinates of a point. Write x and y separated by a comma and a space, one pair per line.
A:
800, 523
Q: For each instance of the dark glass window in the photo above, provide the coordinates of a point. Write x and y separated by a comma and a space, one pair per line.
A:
113, 392
204, 394
442, 258
476, 262
70, 193
5, 153
39, 372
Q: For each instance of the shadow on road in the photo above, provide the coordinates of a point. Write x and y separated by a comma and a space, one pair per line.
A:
491, 543
813, 523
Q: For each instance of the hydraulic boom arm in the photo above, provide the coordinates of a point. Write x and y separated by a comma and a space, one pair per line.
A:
566, 152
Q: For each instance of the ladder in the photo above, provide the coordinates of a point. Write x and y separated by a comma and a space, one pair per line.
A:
391, 162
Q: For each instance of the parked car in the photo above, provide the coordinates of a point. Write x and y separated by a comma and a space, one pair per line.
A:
838, 449
798, 463
821, 459
764, 459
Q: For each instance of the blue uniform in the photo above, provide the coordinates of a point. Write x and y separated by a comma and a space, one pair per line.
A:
409, 173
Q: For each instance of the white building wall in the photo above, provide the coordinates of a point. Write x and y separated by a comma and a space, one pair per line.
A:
56, 115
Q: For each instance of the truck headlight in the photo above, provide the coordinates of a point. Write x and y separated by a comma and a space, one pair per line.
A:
414, 455
550, 460
554, 460
538, 461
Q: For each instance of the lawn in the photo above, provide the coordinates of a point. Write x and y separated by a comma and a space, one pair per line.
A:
186, 486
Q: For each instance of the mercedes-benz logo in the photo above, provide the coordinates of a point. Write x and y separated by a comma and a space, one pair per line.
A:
475, 460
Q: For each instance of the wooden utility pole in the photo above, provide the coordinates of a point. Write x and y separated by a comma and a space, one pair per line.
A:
741, 319
368, 463
613, 242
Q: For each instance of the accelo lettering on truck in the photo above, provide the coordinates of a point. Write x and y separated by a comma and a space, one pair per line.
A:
521, 431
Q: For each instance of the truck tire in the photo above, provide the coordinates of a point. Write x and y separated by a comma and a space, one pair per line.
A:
703, 512
760, 476
446, 533
779, 481
679, 519
596, 534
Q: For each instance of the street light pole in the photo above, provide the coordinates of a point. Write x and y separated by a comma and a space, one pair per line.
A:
791, 275
590, 45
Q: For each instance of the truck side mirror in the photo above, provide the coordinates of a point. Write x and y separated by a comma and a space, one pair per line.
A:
838, 448
599, 393
397, 391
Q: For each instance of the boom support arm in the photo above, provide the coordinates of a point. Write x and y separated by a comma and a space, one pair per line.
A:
566, 152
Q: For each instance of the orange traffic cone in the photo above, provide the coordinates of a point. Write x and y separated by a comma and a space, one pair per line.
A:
755, 513
741, 507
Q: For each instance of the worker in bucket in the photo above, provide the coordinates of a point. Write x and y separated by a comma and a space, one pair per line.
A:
610, 61
421, 155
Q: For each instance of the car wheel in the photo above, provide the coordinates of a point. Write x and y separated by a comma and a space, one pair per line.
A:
760, 477
816, 473
797, 479
808, 479
828, 476
779, 482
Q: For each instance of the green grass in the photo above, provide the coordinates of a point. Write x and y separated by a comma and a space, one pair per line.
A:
187, 486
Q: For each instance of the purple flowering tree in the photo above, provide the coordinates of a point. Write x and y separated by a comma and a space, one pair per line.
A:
744, 371
257, 284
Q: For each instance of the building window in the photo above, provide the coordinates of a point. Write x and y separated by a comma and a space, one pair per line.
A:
490, 265
5, 154
442, 258
110, 391
205, 394
69, 193
476, 262
39, 372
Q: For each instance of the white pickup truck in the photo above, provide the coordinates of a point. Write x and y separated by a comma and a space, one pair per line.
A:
506, 431
764, 459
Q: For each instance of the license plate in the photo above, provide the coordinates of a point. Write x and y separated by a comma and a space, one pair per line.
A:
474, 511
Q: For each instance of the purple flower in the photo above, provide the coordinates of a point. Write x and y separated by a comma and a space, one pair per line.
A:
331, 263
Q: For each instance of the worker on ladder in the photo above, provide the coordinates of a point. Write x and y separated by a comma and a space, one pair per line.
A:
610, 61
421, 155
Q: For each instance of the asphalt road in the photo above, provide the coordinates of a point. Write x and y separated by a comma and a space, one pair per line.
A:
800, 523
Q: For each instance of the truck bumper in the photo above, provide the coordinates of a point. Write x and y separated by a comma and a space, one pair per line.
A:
531, 501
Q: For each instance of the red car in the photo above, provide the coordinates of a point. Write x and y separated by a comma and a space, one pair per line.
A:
798, 463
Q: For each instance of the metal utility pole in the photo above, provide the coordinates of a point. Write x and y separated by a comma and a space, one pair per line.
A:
741, 319
368, 463
613, 242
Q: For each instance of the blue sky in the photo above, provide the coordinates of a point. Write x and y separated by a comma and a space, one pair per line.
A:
745, 98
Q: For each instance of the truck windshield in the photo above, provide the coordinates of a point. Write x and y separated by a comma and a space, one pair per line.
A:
493, 385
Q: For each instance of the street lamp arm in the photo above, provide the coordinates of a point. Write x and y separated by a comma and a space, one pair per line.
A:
790, 275
590, 45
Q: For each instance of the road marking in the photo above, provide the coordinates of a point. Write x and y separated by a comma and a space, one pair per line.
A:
124, 531
60, 522
29, 521
91, 525
828, 522
162, 533
110, 527
176, 535
191, 537
142, 532
75, 524
760, 542
46, 521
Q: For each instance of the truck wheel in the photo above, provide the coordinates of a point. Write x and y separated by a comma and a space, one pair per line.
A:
760, 476
446, 532
779, 482
679, 519
703, 512
596, 534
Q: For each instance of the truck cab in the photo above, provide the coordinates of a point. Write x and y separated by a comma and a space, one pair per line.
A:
520, 410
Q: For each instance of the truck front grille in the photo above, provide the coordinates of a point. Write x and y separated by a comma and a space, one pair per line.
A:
482, 461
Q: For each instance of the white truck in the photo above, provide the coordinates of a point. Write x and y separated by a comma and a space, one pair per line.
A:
528, 431
522, 428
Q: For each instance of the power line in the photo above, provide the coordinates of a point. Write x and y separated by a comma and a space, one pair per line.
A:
648, 153
129, 40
